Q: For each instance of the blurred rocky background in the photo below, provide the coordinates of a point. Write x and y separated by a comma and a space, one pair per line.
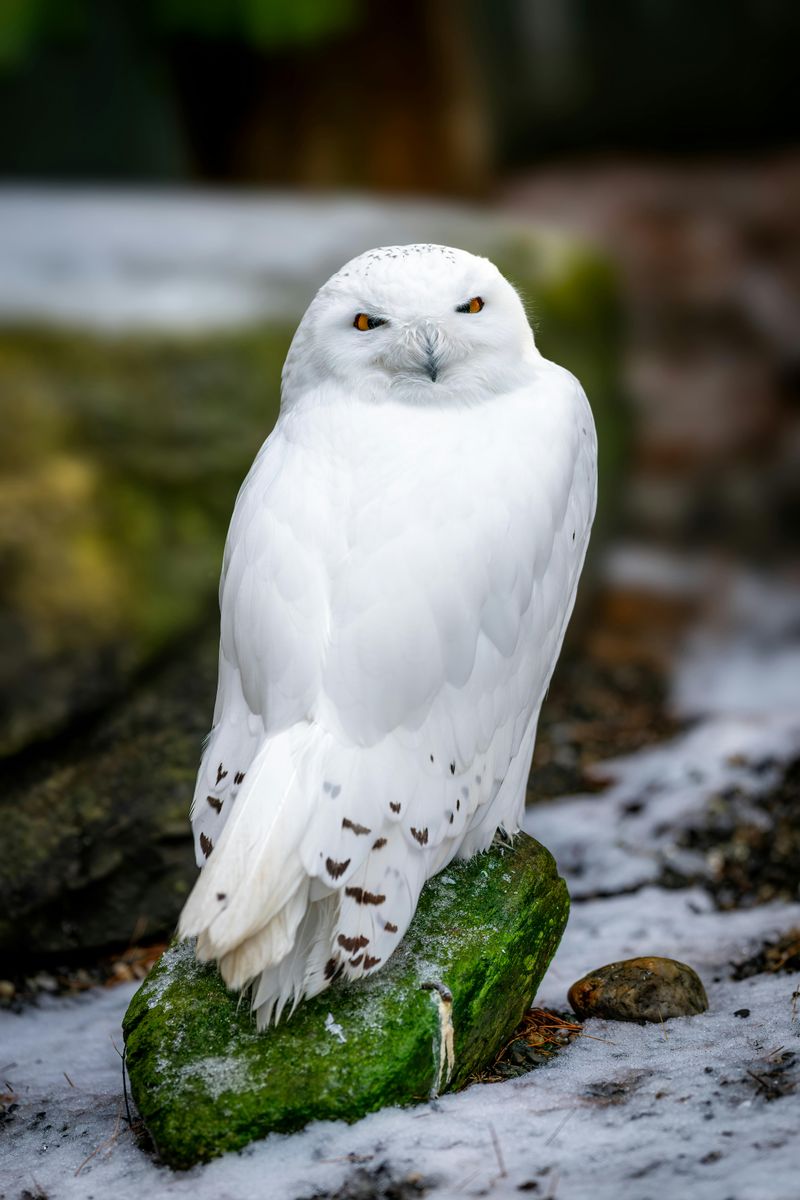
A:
179, 176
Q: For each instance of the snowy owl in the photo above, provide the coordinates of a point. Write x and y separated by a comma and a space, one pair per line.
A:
399, 571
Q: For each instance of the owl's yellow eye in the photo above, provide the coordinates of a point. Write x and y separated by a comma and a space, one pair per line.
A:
364, 322
471, 306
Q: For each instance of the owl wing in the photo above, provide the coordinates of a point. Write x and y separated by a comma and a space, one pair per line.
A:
390, 620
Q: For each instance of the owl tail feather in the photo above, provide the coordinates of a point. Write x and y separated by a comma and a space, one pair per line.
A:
253, 893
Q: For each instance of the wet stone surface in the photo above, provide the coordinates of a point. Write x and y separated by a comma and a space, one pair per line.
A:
639, 989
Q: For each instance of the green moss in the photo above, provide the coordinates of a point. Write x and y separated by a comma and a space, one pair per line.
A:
206, 1081
120, 464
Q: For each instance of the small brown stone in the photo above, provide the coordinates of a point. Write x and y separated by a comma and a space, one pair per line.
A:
639, 989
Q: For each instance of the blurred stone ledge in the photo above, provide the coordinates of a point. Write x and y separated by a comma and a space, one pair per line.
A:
159, 262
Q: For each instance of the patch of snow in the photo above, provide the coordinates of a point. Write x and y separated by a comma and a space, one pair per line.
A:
221, 1074
625, 838
333, 1028
625, 1111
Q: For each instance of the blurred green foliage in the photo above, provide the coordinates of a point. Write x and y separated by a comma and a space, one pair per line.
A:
118, 474
25, 24
264, 23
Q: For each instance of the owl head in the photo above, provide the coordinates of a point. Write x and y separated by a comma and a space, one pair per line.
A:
421, 324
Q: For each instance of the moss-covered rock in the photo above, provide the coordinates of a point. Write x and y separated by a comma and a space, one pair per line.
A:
206, 1081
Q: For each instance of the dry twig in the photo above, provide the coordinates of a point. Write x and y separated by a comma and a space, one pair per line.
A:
560, 1126
498, 1152
106, 1145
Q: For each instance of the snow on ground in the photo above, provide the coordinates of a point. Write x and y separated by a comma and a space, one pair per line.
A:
625, 840
691, 1108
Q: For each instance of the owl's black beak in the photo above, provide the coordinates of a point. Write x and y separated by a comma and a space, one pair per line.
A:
419, 351
431, 359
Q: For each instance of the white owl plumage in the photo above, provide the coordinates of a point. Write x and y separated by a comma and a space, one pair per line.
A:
398, 575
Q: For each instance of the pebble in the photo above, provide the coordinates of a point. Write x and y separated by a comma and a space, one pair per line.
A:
122, 972
639, 989
43, 982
